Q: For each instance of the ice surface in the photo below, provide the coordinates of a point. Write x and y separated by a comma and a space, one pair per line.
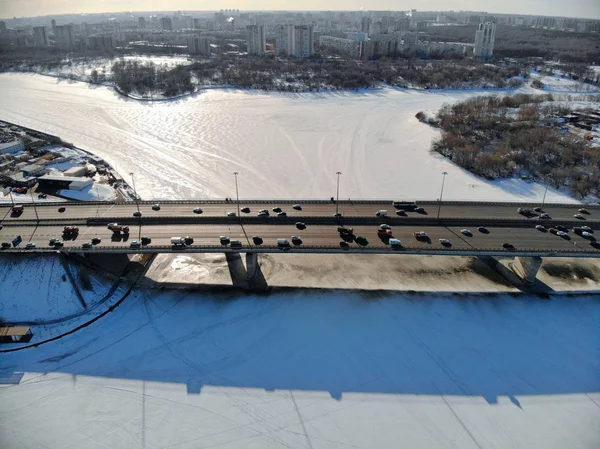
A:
313, 370
283, 145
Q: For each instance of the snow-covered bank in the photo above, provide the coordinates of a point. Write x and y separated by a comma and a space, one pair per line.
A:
313, 370
283, 145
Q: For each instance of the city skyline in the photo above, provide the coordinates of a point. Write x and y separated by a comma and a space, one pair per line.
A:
30, 8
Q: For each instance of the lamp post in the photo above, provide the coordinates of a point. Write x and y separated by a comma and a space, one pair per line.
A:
441, 193
135, 192
237, 192
33, 202
543, 201
337, 196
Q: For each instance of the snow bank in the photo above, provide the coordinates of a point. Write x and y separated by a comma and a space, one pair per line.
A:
95, 192
314, 370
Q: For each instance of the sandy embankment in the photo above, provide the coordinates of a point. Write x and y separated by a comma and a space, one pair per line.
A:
380, 272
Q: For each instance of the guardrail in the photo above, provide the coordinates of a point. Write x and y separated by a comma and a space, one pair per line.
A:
199, 202
522, 252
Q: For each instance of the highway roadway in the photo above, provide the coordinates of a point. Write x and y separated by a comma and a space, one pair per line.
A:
523, 239
81, 211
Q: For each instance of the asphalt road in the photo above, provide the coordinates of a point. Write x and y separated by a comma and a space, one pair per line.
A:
75, 211
526, 238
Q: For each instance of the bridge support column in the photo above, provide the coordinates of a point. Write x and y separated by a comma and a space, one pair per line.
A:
527, 268
251, 266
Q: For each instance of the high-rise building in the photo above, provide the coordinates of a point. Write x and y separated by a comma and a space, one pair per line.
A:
484, 40
284, 40
142, 22
2, 26
365, 25
303, 41
64, 36
256, 39
199, 45
40, 38
100, 42
53, 23
166, 23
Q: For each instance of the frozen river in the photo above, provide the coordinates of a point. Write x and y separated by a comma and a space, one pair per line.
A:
283, 145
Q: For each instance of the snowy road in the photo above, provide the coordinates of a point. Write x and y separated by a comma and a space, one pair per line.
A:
313, 370
283, 145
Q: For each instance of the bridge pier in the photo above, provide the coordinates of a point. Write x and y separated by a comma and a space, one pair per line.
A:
527, 268
251, 266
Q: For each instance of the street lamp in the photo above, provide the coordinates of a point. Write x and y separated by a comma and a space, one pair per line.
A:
33, 202
135, 192
441, 193
237, 193
337, 196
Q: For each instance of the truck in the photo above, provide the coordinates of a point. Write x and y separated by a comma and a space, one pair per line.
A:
405, 205
117, 228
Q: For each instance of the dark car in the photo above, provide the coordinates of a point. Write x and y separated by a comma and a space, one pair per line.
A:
156, 207
146, 240
277, 209
361, 241
282, 214
42, 196
245, 210
344, 245
593, 244
198, 210
62, 209
296, 240
483, 230
188, 240
96, 240
257, 240
508, 246
537, 209
137, 214
553, 231
562, 228
5, 245
300, 225
297, 207
401, 213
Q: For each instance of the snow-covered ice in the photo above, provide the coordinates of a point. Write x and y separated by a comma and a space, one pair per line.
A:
283, 145
313, 370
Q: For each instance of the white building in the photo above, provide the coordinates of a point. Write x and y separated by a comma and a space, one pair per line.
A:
40, 38
64, 36
284, 40
199, 45
484, 40
303, 41
14, 146
256, 39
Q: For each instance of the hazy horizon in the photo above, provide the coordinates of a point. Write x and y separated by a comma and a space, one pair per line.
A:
31, 8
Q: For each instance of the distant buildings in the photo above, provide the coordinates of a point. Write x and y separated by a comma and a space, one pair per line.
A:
484, 40
166, 23
100, 42
347, 47
64, 36
365, 25
199, 45
294, 40
40, 38
142, 22
12, 146
2, 26
256, 39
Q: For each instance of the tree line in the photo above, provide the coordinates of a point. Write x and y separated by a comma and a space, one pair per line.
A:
497, 137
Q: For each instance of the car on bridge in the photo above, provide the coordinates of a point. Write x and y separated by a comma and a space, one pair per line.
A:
381, 213
137, 214
343, 245
395, 244
231, 214
282, 214
224, 240
579, 216
541, 228
584, 211
421, 236
466, 232
245, 210
5, 245
361, 241
595, 244
445, 242
257, 240
297, 207
401, 213
508, 246
86, 245
96, 241
587, 236
263, 213
296, 240
236, 244
188, 240
198, 210
62, 209
156, 207
135, 244
283, 244
483, 230
30, 245
277, 209
146, 240
301, 226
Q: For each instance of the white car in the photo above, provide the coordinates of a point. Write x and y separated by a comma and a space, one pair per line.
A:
587, 235
231, 214
578, 216
562, 234
30, 245
385, 226
541, 228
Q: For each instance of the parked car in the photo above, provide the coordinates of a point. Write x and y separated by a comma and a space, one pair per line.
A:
297, 207
135, 244
257, 240
245, 210
541, 228
445, 242
224, 240
198, 210
296, 240
300, 225
137, 214
508, 246
156, 207
466, 232
96, 240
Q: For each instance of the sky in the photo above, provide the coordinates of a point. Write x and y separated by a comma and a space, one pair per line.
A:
30, 8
